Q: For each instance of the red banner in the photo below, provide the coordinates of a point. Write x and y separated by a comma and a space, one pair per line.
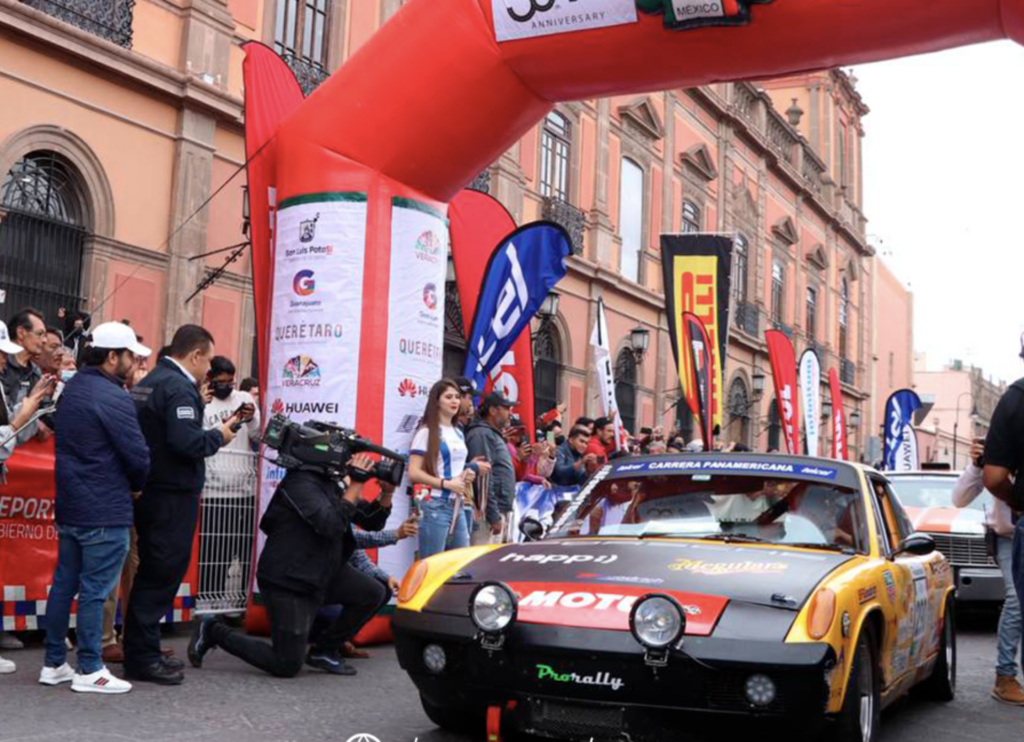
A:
696, 356
783, 360
479, 223
840, 446
28, 542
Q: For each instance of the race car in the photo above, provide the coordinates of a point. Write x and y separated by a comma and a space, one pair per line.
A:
959, 533
785, 588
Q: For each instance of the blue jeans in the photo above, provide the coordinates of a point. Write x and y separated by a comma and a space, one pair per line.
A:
89, 562
436, 523
1009, 619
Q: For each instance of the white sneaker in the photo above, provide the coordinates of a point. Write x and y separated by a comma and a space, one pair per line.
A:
10, 641
100, 681
7, 667
57, 675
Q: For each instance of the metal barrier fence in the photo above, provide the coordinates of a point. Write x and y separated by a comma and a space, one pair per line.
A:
227, 527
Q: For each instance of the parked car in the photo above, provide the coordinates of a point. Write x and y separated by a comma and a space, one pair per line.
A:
959, 533
776, 587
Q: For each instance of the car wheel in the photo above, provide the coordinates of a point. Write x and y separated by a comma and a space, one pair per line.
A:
860, 717
941, 685
453, 718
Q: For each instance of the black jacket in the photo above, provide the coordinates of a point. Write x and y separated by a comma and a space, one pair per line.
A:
309, 532
18, 380
171, 417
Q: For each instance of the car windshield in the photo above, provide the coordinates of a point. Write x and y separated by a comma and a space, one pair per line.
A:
720, 507
934, 492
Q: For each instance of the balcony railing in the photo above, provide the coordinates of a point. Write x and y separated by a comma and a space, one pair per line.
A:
573, 219
308, 74
782, 137
748, 319
784, 329
481, 183
108, 19
847, 372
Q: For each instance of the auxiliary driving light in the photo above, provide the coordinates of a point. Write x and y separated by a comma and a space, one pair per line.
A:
434, 658
657, 621
492, 608
760, 690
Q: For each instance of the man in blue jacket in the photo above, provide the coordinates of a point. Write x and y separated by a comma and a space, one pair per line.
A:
170, 411
102, 460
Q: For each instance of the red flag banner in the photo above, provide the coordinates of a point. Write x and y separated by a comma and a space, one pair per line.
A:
479, 224
840, 447
697, 359
783, 360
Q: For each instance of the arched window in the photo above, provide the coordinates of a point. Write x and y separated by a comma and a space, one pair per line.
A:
625, 389
555, 145
738, 410
631, 218
739, 271
43, 234
844, 317
547, 369
691, 218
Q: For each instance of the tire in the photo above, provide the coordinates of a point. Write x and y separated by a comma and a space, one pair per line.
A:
860, 718
453, 718
941, 684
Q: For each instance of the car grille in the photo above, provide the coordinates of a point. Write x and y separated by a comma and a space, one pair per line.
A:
569, 720
964, 551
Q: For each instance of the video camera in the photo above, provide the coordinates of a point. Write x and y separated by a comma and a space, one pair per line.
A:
329, 448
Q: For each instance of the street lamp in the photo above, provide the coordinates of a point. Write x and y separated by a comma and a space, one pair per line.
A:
757, 381
549, 307
855, 419
639, 339
956, 423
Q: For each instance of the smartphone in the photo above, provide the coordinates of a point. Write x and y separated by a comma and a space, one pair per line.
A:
646, 431
551, 437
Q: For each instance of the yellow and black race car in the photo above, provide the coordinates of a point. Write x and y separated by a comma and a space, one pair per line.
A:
765, 586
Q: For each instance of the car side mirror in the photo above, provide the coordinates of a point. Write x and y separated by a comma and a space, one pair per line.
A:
918, 544
531, 528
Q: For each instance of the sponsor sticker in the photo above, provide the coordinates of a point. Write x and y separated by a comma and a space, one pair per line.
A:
729, 466
867, 594
526, 19
725, 569
546, 672
683, 14
890, 586
186, 413
560, 558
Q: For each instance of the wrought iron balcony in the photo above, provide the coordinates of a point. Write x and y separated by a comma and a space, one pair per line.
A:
847, 372
573, 219
308, 74
784, 329
481, 183
748, 319
108, 19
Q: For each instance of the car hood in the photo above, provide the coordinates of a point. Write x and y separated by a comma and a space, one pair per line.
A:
962, 521
594, 583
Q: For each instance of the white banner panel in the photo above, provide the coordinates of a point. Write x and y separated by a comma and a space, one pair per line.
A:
317, 314
810, 390
524, 19
415, 359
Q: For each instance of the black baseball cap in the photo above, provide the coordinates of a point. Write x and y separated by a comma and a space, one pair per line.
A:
465, 385
495, 399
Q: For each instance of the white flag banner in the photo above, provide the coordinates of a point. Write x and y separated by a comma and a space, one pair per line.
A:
907, 456
810, 390
605, 372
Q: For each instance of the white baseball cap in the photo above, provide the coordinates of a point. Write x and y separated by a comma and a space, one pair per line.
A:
6, 346
117, 336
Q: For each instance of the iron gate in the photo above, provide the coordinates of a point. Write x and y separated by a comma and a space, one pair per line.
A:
40, 264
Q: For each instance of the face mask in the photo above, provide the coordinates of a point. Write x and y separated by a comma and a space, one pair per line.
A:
66, 375
222, 390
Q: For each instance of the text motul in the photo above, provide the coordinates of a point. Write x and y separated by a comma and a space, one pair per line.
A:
593, 601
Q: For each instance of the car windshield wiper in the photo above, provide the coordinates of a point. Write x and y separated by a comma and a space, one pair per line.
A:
825, 547
732, 537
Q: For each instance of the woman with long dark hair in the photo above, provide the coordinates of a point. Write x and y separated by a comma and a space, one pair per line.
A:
437, 459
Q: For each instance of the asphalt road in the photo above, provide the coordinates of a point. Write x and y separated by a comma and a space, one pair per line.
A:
228, 701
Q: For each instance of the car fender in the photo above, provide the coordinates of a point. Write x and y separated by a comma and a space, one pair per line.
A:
441, 568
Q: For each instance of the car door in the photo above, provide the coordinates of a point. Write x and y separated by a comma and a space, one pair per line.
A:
917, 604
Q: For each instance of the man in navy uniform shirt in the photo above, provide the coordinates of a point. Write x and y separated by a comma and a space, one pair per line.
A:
170, 411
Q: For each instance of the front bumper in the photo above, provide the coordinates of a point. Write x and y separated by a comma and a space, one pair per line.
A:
623, 694
979, 584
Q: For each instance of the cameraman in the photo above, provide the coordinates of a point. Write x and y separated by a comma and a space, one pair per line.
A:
304, 565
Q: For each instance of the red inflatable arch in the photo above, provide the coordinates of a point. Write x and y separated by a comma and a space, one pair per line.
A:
438, 94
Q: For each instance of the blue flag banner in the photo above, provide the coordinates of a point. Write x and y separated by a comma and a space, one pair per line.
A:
521, 272
537, 501
900, 452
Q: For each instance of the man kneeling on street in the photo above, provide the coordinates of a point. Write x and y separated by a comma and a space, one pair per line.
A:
304, 566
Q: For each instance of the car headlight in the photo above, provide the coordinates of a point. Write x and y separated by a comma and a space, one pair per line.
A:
760, 690
492, 607
657, 621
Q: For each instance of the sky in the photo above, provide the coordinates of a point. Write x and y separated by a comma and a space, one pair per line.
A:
943, 168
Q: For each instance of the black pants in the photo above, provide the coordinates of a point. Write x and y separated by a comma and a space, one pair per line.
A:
166, 524
291, 617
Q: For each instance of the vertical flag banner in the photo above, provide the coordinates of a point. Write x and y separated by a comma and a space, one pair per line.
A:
697, 357
521, 272
605, 373
696, 270
419, 258
810, 391
900, 453
783, 361
840, 447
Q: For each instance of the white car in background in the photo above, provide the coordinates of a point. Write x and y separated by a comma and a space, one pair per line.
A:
959, 533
